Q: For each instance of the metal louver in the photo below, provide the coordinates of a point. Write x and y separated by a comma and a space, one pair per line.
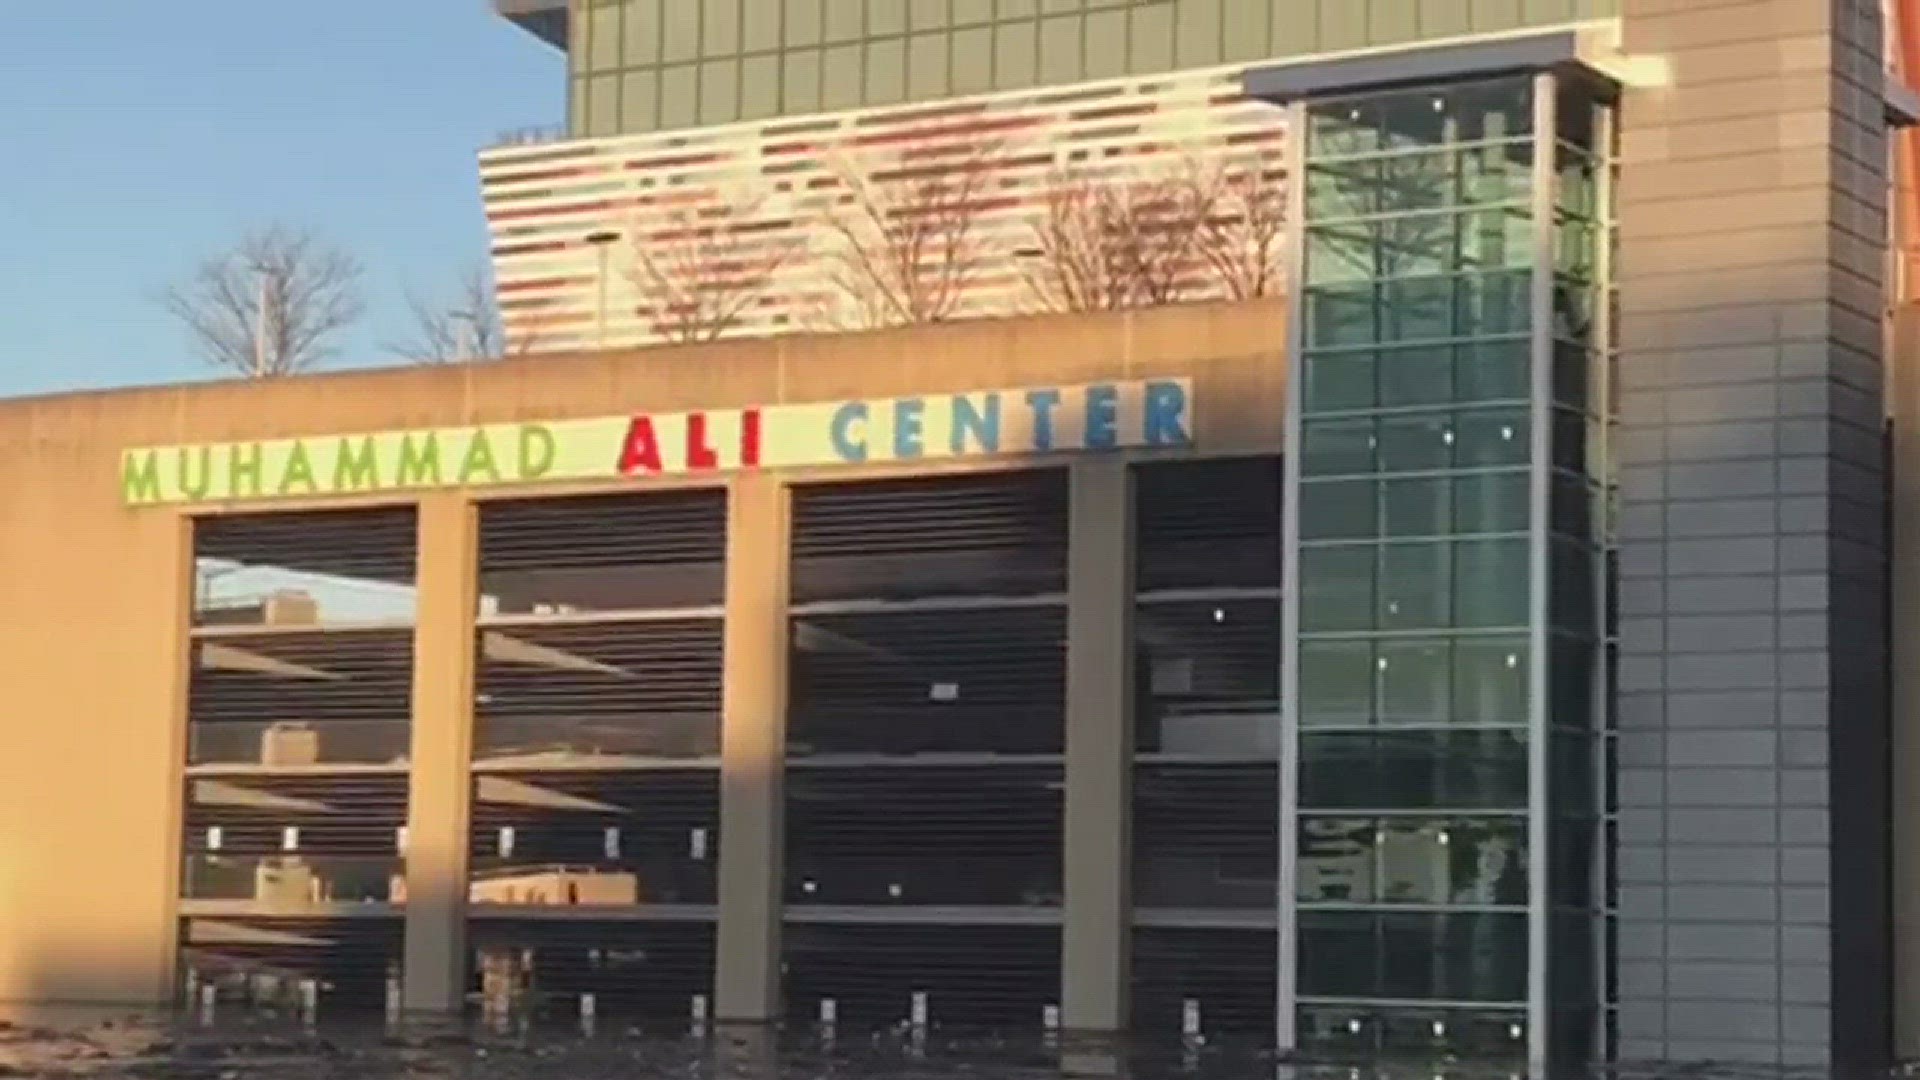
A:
299, 698
1206, 767
596, 799
1001, 534
872, 973
925, 725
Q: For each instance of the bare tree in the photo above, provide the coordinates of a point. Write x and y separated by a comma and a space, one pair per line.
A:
1243, 239
701, 267
271, 305
1101, 243
909, 243
467, 327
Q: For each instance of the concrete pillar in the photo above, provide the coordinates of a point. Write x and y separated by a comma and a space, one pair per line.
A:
1753, 742
1904, 406
439, 793
753, 735
1099, 749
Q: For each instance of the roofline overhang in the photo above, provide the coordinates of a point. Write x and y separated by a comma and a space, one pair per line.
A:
544, 19
1565, 51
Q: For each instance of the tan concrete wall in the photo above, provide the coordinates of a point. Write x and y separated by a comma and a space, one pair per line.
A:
93, 596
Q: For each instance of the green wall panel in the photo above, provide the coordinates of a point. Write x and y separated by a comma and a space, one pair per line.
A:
639, 65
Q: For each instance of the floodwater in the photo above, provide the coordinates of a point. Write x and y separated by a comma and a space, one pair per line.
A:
97, 1046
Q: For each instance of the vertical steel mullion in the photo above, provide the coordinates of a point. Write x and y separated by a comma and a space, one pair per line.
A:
1539, 906
1286, 967
1601, 353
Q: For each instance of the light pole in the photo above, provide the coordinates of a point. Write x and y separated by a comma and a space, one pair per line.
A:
602, 240
263, 324
465, 342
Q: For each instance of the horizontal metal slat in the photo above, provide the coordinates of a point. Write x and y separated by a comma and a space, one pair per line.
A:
1004, 532
970, 975
1208, 522
1229, 975
377, 544
604, 530
648, 971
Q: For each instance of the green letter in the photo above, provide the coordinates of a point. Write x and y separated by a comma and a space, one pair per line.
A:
243, 470
140, 476
479, 457
536, 451
419, 463
194, 488
299, 469
354, 467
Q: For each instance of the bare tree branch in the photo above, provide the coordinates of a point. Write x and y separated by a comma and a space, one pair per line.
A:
269, 306
1243, 239
908, 238
1102, 243
467, 328
701, 267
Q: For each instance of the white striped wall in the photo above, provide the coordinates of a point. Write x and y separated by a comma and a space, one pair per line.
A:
544, 200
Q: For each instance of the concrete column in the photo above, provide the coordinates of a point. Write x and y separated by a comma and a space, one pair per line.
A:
439, 793
1099, 749
1753, 744
1904, 406
753, 735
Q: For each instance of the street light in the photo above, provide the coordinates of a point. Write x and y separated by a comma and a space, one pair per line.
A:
602, 240
466, 338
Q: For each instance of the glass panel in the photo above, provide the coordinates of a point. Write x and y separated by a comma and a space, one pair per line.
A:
1491, 502
1414, 682
1490, 681
1490, 437
1336, 447
1500, 239
1339, 381
1340, 315
1336, 588
1336, 860
1491, 582
1452, 862
1418, 376
1419, 861
1575, 605
1414, 770
1458, 956
1422, 507
1411, 443
1415, 586
1493, 371
1416, 308
1336, 682
1331, 509
1495, 303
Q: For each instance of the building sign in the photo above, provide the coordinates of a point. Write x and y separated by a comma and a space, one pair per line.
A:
1035, 420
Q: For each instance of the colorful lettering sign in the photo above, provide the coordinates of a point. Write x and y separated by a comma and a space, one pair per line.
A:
1036, 420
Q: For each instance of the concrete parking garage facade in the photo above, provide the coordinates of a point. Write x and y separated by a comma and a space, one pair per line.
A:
1667, 391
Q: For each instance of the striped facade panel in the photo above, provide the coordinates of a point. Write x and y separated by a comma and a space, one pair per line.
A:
601, 242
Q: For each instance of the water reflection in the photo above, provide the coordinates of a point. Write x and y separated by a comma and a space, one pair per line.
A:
63, 1044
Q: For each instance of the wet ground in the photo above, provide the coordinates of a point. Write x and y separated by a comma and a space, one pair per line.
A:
96, 1046
164, 1049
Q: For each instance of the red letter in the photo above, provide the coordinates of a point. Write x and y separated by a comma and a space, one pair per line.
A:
641, 454
700, 454
749, 438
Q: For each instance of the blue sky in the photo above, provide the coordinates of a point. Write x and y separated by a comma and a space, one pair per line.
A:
139, 135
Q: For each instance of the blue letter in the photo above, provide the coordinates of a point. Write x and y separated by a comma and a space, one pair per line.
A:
851, 445
906, 427
1103, 402
1167, 414
984, 426
1042, 403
